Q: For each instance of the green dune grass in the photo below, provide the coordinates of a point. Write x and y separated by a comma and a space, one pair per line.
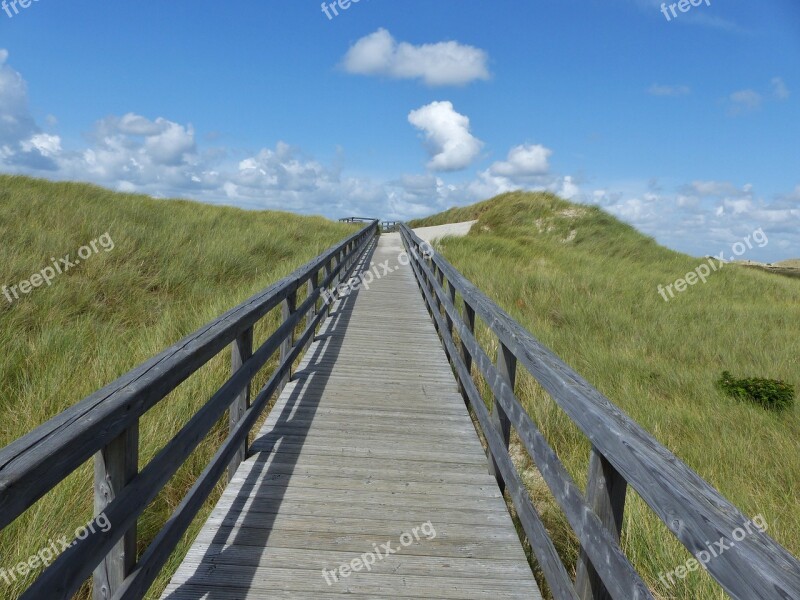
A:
585, 284
174, 266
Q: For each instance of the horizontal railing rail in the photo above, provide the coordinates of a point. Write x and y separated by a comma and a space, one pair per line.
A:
623, 454
357, 220
390, 226
106, 425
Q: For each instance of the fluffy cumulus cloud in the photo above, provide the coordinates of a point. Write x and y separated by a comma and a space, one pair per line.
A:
447, 136
523, 162
443, 63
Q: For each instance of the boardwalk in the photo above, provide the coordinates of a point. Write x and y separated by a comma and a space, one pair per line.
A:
368, 478
370, 441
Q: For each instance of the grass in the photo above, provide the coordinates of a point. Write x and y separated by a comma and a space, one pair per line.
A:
585, 284
174, 266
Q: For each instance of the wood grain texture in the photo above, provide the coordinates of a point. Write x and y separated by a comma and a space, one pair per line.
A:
241, 351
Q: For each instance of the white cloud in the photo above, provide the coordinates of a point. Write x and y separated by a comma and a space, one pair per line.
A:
568, 188
523, 161
705, 217
779, 89
16, 122
716, 188
793, 196
450, 143
444, 63
160, 157
744, 101
46, 145
668, 90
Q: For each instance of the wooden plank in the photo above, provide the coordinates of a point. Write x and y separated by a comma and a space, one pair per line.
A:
313, 286
402, 564
605, 494
288, 308
378, 585
241, 352
507, 370
114, 468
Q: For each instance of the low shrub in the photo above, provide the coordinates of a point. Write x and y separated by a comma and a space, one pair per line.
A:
772, 394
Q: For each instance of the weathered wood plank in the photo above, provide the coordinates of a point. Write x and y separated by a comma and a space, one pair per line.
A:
605, 494
241, 352
114, 468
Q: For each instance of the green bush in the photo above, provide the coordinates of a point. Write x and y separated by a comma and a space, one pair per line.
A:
769, 393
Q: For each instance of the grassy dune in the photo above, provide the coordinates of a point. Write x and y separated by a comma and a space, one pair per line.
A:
585, 285
174, 266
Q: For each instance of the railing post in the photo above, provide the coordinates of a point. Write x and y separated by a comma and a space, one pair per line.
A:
241, 351
114, 467
440, 279
451, 293
605, 494
340, 261
313, 284
507, 368
334, 262
288, 308
327, 298
432, 288
468, 316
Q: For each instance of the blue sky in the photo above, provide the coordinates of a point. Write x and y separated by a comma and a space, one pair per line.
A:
686, 128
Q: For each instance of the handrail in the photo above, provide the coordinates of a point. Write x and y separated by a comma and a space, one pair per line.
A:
357, 220
390, 226
623, 454
105, 425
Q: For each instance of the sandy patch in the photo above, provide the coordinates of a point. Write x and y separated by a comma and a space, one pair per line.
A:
433, 234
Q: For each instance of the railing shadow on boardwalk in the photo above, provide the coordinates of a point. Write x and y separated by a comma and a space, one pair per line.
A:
302, 401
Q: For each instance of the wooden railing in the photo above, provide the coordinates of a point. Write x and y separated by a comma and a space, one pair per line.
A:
623, 454
390, 226
386, 226
357, 220
106, 425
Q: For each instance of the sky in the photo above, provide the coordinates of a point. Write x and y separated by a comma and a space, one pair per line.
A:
681, 120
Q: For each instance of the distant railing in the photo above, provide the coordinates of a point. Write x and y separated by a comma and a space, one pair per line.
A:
106, 425
386, 226
357, 220
623, 454
390, 226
